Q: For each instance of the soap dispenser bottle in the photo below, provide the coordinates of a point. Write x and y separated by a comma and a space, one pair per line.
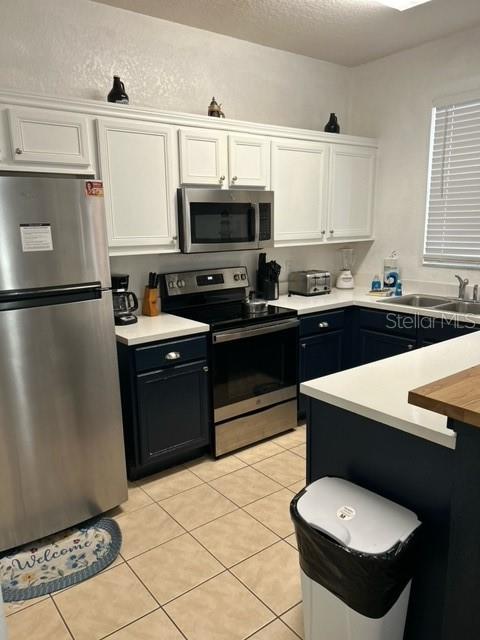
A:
391, 273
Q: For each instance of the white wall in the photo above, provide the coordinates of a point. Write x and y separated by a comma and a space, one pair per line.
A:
72, 48
290, 259
392, 100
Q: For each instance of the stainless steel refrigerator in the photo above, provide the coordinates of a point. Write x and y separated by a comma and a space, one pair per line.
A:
61, 442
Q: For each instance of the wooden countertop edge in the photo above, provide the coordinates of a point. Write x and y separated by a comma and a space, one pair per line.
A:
456, 396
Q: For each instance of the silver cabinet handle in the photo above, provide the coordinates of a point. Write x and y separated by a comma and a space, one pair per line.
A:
222, 178
411, 346
205, 369
18, 151
323, 232
304, 346
235, 178
332, 231
173, 355
323, 325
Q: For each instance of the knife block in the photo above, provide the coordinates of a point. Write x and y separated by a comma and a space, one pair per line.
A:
150, 300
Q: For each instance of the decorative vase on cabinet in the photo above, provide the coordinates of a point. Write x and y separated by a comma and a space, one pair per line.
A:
332, 125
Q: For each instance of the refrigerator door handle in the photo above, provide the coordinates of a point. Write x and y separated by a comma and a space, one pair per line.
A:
22, 294
31, 298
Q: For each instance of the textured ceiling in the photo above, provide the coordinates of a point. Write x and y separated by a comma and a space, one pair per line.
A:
347, 32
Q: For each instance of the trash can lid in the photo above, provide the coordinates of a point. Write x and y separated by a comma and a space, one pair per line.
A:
355, 517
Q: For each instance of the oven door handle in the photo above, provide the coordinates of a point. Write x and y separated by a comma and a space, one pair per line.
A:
240, 334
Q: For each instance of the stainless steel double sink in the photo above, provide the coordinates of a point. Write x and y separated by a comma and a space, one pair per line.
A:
423, 301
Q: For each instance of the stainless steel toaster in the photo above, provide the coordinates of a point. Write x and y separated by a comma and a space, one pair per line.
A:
313, 282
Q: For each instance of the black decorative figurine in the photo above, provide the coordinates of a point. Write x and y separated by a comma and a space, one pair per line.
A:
332, 125
117, 93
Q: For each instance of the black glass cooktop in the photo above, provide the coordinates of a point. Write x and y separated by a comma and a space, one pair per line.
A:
233, 314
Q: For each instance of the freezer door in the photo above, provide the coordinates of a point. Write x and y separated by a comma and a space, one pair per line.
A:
51, 233
61, 454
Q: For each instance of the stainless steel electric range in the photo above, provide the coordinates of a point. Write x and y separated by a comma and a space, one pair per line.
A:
253, 355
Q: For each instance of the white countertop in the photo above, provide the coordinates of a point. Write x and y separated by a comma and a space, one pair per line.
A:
379, 390
359, 297
162, 327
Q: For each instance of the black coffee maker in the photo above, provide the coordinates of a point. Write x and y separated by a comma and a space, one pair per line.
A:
124, 302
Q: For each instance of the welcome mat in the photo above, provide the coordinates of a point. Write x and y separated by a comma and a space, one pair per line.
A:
59, 561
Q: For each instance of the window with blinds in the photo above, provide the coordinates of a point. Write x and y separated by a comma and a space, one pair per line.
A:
452, 235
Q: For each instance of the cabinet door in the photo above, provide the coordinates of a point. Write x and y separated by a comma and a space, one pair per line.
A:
249, 161
136, 166
299, 172
377, 346
203, 157
351, 189
49, 137
319, 356
172, 411
433, 330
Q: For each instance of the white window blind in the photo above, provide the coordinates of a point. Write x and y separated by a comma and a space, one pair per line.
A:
452, 235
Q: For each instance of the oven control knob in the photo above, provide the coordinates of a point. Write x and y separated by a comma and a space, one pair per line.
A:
181, 283
171, 284
243, 276
236, 276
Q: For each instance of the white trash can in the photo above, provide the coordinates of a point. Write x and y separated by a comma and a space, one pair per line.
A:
357, 555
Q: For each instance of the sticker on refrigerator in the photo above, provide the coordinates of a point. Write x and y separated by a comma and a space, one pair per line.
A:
94, 188
36, 237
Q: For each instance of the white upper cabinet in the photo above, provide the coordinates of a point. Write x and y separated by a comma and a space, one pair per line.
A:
323, 184
138, 164
215, 158
249, 161
53, 138
351, 190
299, 182
203, 157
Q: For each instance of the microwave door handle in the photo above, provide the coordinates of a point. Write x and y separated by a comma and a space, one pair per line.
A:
256, 207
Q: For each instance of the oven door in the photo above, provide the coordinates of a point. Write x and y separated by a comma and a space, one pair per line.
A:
254, 367
216, 220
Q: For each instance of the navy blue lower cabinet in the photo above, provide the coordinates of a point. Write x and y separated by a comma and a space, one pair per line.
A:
433, 330
172, 411
375, 345
321, 347
379, 334
166, 403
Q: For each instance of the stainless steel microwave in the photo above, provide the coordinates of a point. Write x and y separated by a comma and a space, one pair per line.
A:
224, 220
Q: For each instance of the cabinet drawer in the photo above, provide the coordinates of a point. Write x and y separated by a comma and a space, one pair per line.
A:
402, 324
170, 353
321, 322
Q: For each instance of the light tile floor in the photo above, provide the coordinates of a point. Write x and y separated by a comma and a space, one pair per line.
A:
208, 553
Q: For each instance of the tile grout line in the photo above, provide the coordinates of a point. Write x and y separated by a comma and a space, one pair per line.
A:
183, 467
160, 606
24, 608
286, 623
241, 506
63, 619
227, 569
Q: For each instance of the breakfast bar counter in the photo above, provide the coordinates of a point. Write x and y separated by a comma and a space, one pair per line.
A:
392, 427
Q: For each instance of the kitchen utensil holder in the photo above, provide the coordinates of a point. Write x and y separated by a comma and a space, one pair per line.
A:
270, 290
150, 302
